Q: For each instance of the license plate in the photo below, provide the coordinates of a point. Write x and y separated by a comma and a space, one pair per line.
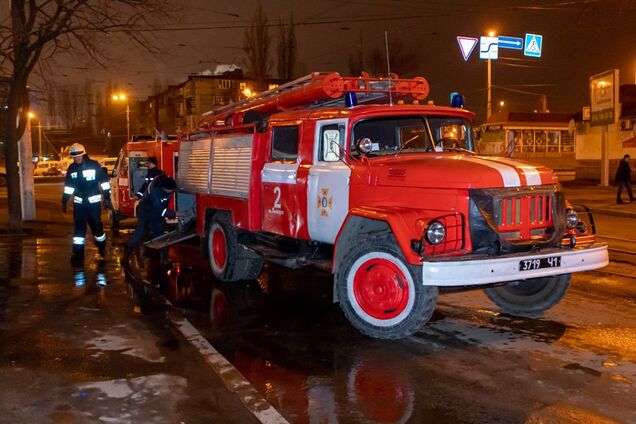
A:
538, 263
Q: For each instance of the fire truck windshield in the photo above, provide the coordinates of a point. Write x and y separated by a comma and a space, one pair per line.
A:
417, 134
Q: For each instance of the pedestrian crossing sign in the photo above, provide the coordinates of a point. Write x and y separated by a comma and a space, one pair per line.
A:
534, 43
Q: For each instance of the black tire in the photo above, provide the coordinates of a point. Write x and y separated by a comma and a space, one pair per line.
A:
3, 180
370, 283
229, 260
529, 297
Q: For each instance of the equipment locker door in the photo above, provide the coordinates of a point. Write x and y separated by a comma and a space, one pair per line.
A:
328, 183
279, 188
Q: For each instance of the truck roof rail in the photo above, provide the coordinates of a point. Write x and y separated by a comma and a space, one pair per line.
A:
318, 89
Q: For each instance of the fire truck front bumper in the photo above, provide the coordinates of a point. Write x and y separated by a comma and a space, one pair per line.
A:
513, 267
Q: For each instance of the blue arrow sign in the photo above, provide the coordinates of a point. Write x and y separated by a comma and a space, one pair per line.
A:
510, 43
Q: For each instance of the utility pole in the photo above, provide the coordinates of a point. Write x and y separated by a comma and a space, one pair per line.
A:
489, 100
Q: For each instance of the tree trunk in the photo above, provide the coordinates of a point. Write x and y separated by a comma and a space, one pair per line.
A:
16, 93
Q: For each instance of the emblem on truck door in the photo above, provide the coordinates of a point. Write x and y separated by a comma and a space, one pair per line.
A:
325, 202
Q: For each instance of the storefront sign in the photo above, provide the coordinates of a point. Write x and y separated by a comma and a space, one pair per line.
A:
604, 98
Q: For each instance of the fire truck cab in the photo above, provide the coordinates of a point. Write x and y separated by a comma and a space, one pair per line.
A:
130, 171
355, 176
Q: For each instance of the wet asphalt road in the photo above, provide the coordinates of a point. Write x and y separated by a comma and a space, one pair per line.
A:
470, 364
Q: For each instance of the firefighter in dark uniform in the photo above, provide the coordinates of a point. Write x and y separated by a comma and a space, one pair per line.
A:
153, 211
152, 173
87, 182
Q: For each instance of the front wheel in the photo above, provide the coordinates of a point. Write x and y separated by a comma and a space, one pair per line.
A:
530, 297
380, 293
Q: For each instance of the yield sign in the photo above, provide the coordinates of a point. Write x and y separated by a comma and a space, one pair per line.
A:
467, 45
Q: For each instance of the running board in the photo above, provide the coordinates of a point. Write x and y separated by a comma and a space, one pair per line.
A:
171, 238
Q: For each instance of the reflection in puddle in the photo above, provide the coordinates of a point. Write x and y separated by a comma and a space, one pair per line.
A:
291, 342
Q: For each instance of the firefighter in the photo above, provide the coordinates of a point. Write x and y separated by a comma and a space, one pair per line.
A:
152, 212
152, 173
87, 182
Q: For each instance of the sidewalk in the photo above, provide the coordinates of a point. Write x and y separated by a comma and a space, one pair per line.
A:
601, 200
74, 349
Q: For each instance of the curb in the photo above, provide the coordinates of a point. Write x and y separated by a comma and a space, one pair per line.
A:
612, 212
231, 377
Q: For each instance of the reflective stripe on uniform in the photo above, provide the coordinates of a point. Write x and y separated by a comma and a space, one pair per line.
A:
106, 186
77, 199
69, 190
101, 238
164, 212
95, 199
140, 194
89, 174
73, 174
78, 240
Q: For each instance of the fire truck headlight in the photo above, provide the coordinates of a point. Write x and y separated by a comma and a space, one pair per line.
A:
572, 218
435, 232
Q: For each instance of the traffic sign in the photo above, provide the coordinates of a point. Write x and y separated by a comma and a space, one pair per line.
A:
467, 45
534, 43
488, 48
514, 43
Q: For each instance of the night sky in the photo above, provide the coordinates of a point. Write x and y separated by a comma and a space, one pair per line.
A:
580, 39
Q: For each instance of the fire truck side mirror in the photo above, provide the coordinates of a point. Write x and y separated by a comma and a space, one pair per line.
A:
364, 145
331, 146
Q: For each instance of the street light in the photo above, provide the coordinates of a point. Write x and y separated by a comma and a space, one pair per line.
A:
120, 98
489, 99
32, 116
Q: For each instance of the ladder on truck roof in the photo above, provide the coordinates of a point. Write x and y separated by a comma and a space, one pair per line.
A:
318, 89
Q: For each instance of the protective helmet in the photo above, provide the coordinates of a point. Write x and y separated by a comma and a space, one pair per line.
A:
77, 150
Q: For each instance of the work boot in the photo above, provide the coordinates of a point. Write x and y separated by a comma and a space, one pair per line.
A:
102, 250
620, 202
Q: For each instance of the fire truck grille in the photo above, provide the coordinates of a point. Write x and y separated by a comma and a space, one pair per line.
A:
504, 220
524, 214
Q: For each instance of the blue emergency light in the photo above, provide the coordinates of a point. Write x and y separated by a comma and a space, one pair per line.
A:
351, 99
456, 99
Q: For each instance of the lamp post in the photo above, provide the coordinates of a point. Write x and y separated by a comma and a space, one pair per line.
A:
119, 98
489, 84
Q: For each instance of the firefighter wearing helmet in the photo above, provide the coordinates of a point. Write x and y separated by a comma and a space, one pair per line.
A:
87, 183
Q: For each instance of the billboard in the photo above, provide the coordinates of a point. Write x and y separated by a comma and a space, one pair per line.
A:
604, 98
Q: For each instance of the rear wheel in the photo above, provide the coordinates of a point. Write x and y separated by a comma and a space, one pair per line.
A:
228, 259
380, 293
530, 297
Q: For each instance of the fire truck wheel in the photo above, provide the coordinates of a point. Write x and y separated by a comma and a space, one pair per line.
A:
229, 260
529, 297
379, 293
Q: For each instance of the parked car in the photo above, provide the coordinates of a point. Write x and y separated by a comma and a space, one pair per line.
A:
48, 169
109, 164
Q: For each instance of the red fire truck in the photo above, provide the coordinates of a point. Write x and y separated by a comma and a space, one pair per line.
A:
356, 176
130, 171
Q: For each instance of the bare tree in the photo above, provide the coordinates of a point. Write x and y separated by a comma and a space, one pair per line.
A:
38, 29
356, 64
287, 50
256, 45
